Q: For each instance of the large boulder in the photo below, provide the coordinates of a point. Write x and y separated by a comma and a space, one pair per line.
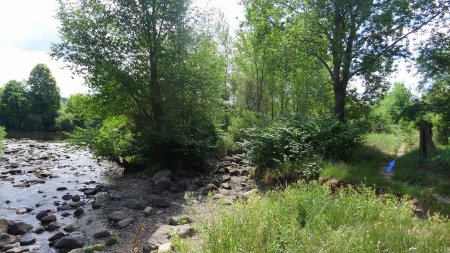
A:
4, 225
6, 239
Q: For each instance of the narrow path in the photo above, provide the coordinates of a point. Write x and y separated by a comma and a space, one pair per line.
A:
388, 175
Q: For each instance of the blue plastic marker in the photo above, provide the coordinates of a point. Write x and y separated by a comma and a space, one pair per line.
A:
391, 165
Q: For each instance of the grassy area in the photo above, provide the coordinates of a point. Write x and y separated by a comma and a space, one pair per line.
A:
308, 218
387, 143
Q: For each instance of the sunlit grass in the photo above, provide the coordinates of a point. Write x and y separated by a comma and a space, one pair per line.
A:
308, 218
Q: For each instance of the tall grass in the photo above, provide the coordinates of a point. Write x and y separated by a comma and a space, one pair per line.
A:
308, 218
386, 143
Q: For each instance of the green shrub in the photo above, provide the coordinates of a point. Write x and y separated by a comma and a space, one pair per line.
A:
113, 139
2, 137
64, 122
308, 218
300, 138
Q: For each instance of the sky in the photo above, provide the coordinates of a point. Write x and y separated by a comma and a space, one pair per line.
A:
28, 27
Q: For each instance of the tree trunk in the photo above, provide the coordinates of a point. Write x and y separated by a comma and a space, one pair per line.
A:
339, 101
426, 139
156, 92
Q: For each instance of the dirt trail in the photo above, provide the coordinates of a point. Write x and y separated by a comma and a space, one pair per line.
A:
383, 169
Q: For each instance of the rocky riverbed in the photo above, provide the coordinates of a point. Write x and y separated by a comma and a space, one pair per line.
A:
56, 198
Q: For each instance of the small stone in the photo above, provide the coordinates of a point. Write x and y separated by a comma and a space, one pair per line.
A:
226, 186
166, 248
41, 215
79, 212
19, 228
76, 198
158, 202
161, 174
71, 227
69, 243
118, 216
48, 219
56, 236
226, 178
102, 234
133, 204
209, 188
125, 222
54, 226
61, 188
148, 211
39, 230
67, 197
24, 241
235, 173
6, 239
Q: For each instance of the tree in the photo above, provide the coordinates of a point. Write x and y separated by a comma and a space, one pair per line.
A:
434, 62
147, 61
44, 95
14, 106
352, 38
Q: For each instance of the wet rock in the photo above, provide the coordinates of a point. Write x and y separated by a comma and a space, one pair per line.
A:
76, 198
4, 225
125, 222
133, 204
6, 239
71, 227
245, 172
24, 241
161, 174
148, 211
118, 216
54, 226
79, 212
67, 197
56, 237
69, 243
90, 191
209, 188
65, 214
19, 228
39, 230
100, 234
62, 188
48, 219
64, 208
158, 202
42, 214
16, 249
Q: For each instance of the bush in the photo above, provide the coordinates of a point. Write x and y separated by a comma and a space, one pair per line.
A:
113, 139
308, 218
2, 137
299, 139
64, 122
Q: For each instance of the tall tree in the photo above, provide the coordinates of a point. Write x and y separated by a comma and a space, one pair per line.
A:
14, 105
124, 47
44, 95
353, 38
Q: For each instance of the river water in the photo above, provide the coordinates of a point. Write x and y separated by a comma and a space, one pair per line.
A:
31, 172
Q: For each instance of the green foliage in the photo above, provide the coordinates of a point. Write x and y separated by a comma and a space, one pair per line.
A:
95, 247
64, 122
44, 95
386, 143
2, 137
14, 106
310, 218
113, 140
299, 139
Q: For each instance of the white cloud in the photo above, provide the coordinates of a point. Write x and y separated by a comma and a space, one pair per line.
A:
27, 29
